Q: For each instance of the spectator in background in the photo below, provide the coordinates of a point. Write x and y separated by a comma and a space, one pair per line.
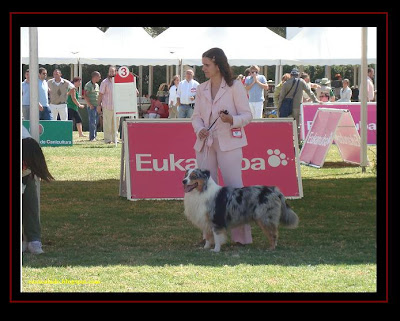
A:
105, 100
163, 93
311, 85
255, 85
33, 164
246, 74
173, 88
186, 95
337, 84
288, 90
241, 78
73, 104
44, 109
59, 88
26, 97
156, 109
354, 93
325, 92
278, 88
370, 85
345, 92
91, 95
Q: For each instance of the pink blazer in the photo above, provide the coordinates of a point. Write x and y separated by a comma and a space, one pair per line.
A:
234, 99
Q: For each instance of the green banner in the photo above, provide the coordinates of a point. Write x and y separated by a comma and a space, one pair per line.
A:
53, 133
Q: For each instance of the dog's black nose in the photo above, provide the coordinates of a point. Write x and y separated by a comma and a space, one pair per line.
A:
184, 181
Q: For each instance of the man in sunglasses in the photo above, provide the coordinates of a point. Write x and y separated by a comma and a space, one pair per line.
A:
255, 85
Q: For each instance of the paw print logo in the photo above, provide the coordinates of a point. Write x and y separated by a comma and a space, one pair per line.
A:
276, 158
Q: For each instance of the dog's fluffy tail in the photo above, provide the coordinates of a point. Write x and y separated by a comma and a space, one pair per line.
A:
288, 217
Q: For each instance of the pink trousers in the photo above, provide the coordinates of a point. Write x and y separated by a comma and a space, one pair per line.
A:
230, 165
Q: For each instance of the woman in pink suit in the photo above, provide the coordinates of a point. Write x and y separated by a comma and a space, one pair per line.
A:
221, 136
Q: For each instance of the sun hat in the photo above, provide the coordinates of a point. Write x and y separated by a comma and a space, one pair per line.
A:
325, 81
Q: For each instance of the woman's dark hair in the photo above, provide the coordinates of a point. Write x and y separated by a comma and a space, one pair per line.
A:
33, 158
76, 79
218, 56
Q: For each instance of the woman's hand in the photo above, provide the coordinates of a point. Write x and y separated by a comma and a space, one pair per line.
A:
226, 118
203, 133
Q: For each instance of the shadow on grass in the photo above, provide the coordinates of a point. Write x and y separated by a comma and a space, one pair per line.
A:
340, 165
88, 224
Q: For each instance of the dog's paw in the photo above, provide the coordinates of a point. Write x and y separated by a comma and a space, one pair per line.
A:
215, 250
207, 245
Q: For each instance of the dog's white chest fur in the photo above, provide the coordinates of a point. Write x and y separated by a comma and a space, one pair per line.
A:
196, 209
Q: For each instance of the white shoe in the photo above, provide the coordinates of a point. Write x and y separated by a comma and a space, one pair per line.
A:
35, 247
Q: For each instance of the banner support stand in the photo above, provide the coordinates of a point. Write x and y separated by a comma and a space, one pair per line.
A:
298, 168
122, 176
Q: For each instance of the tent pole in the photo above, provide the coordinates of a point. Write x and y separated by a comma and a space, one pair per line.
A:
141, 81
34, 81
150, 80
34, 94
76, 72
364, 75
80, 74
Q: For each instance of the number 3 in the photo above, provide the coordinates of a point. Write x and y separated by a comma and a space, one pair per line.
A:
123, 71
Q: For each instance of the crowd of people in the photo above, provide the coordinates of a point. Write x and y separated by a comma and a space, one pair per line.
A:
58, 97
180, 96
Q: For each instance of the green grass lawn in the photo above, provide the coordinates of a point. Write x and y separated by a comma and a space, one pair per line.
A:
96, 241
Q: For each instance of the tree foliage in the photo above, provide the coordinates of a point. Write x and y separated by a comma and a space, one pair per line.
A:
155, 31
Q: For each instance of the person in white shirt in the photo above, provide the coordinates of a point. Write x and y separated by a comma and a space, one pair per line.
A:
370, 86
58, 93
173, 111
345, 92
186, 95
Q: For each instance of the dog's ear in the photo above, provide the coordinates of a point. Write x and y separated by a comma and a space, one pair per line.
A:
207, 173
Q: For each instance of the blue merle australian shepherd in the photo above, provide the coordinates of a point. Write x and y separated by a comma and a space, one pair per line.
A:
214, 208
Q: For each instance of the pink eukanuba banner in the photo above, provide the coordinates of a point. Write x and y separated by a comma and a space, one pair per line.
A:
161, 151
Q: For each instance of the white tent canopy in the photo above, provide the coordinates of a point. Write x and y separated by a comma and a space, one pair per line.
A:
333, 45
89, 45
58, 45
126, 46
242, 45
